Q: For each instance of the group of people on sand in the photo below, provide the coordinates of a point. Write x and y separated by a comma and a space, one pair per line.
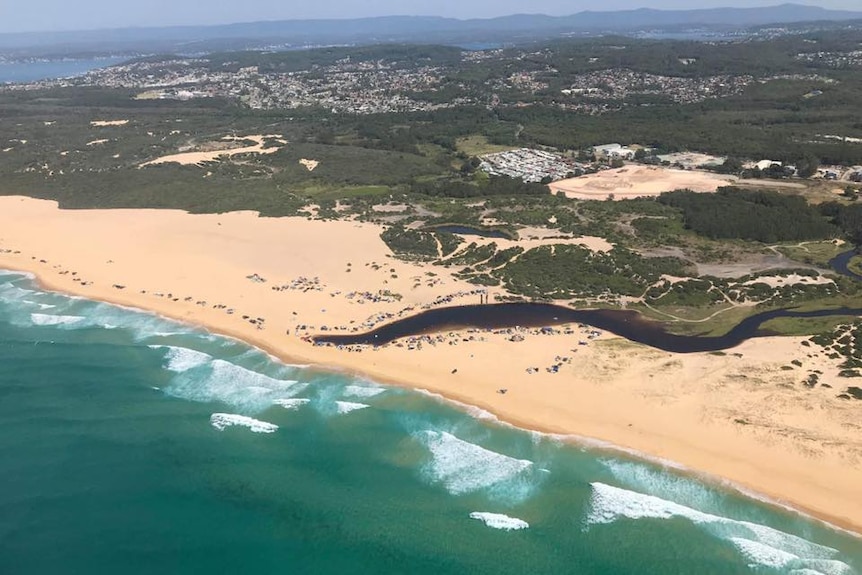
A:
306, 331
302, 284
452, 338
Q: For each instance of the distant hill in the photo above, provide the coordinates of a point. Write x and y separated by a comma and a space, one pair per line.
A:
417, 29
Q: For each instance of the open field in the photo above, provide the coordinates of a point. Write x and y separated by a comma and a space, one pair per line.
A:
478, 145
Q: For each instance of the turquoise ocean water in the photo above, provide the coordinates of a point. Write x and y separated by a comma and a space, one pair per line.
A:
132, 444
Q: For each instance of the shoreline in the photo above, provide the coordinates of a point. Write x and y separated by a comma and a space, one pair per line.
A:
591, 443
611, 399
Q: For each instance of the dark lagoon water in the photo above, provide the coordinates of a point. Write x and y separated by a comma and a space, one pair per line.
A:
33, 71
626, 323
133, 444
840, 262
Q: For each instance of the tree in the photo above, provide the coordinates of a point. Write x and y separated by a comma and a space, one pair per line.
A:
731, 166
617, 163
640, 154
807, 166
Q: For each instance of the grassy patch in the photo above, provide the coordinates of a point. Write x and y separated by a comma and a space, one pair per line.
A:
855, 265
814, 253
715, 326
805, 326
477, 145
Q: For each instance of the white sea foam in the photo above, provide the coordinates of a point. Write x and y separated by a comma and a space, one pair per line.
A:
141, 323
16, 274
822, 567
660, 483
471, 410
11, 292
244, 389
165, 333
291, 403
757, 543
48, 319
182, 358
223, 420
499, 521
463, 467
41, 306
763, 555
362, 391
342, 407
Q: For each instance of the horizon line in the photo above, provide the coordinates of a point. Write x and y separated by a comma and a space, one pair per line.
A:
801, 3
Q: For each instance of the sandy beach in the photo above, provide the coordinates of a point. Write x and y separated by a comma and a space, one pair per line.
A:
741, 416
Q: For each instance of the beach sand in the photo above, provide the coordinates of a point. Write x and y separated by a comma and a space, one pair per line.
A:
737, 416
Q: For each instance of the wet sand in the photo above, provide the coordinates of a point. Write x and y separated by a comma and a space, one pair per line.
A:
743, 416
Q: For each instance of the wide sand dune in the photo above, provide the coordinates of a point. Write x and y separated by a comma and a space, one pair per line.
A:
743, 415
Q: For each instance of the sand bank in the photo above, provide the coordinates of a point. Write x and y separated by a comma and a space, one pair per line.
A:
198, 158
743, 416
634, 181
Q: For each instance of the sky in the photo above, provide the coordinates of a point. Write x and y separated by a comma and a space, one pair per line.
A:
54, 15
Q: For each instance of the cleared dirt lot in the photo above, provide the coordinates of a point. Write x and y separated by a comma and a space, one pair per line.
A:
635, 181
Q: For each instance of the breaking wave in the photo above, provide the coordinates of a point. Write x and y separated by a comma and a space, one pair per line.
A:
141, 324
499, 521
42, 319
362, 391
41, 306
342, 407
471, 410
463, 467
12, 293
658, 482
221, 421
243, 389
761, 545
291, 403
180, 359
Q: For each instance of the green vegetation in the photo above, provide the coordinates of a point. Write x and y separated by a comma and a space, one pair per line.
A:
493, 186
844, 340
415, 170
565, 272
815, 253
477, 145
410, 243
760, 215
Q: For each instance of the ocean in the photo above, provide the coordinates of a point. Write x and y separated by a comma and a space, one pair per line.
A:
133, 444
34, 71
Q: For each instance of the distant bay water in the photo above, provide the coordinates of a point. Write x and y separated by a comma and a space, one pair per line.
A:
48, 70
133, 444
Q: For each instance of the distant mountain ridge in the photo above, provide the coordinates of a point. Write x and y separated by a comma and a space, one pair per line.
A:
425, 28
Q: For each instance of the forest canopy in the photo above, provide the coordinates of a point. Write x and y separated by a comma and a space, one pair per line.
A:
760, 215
